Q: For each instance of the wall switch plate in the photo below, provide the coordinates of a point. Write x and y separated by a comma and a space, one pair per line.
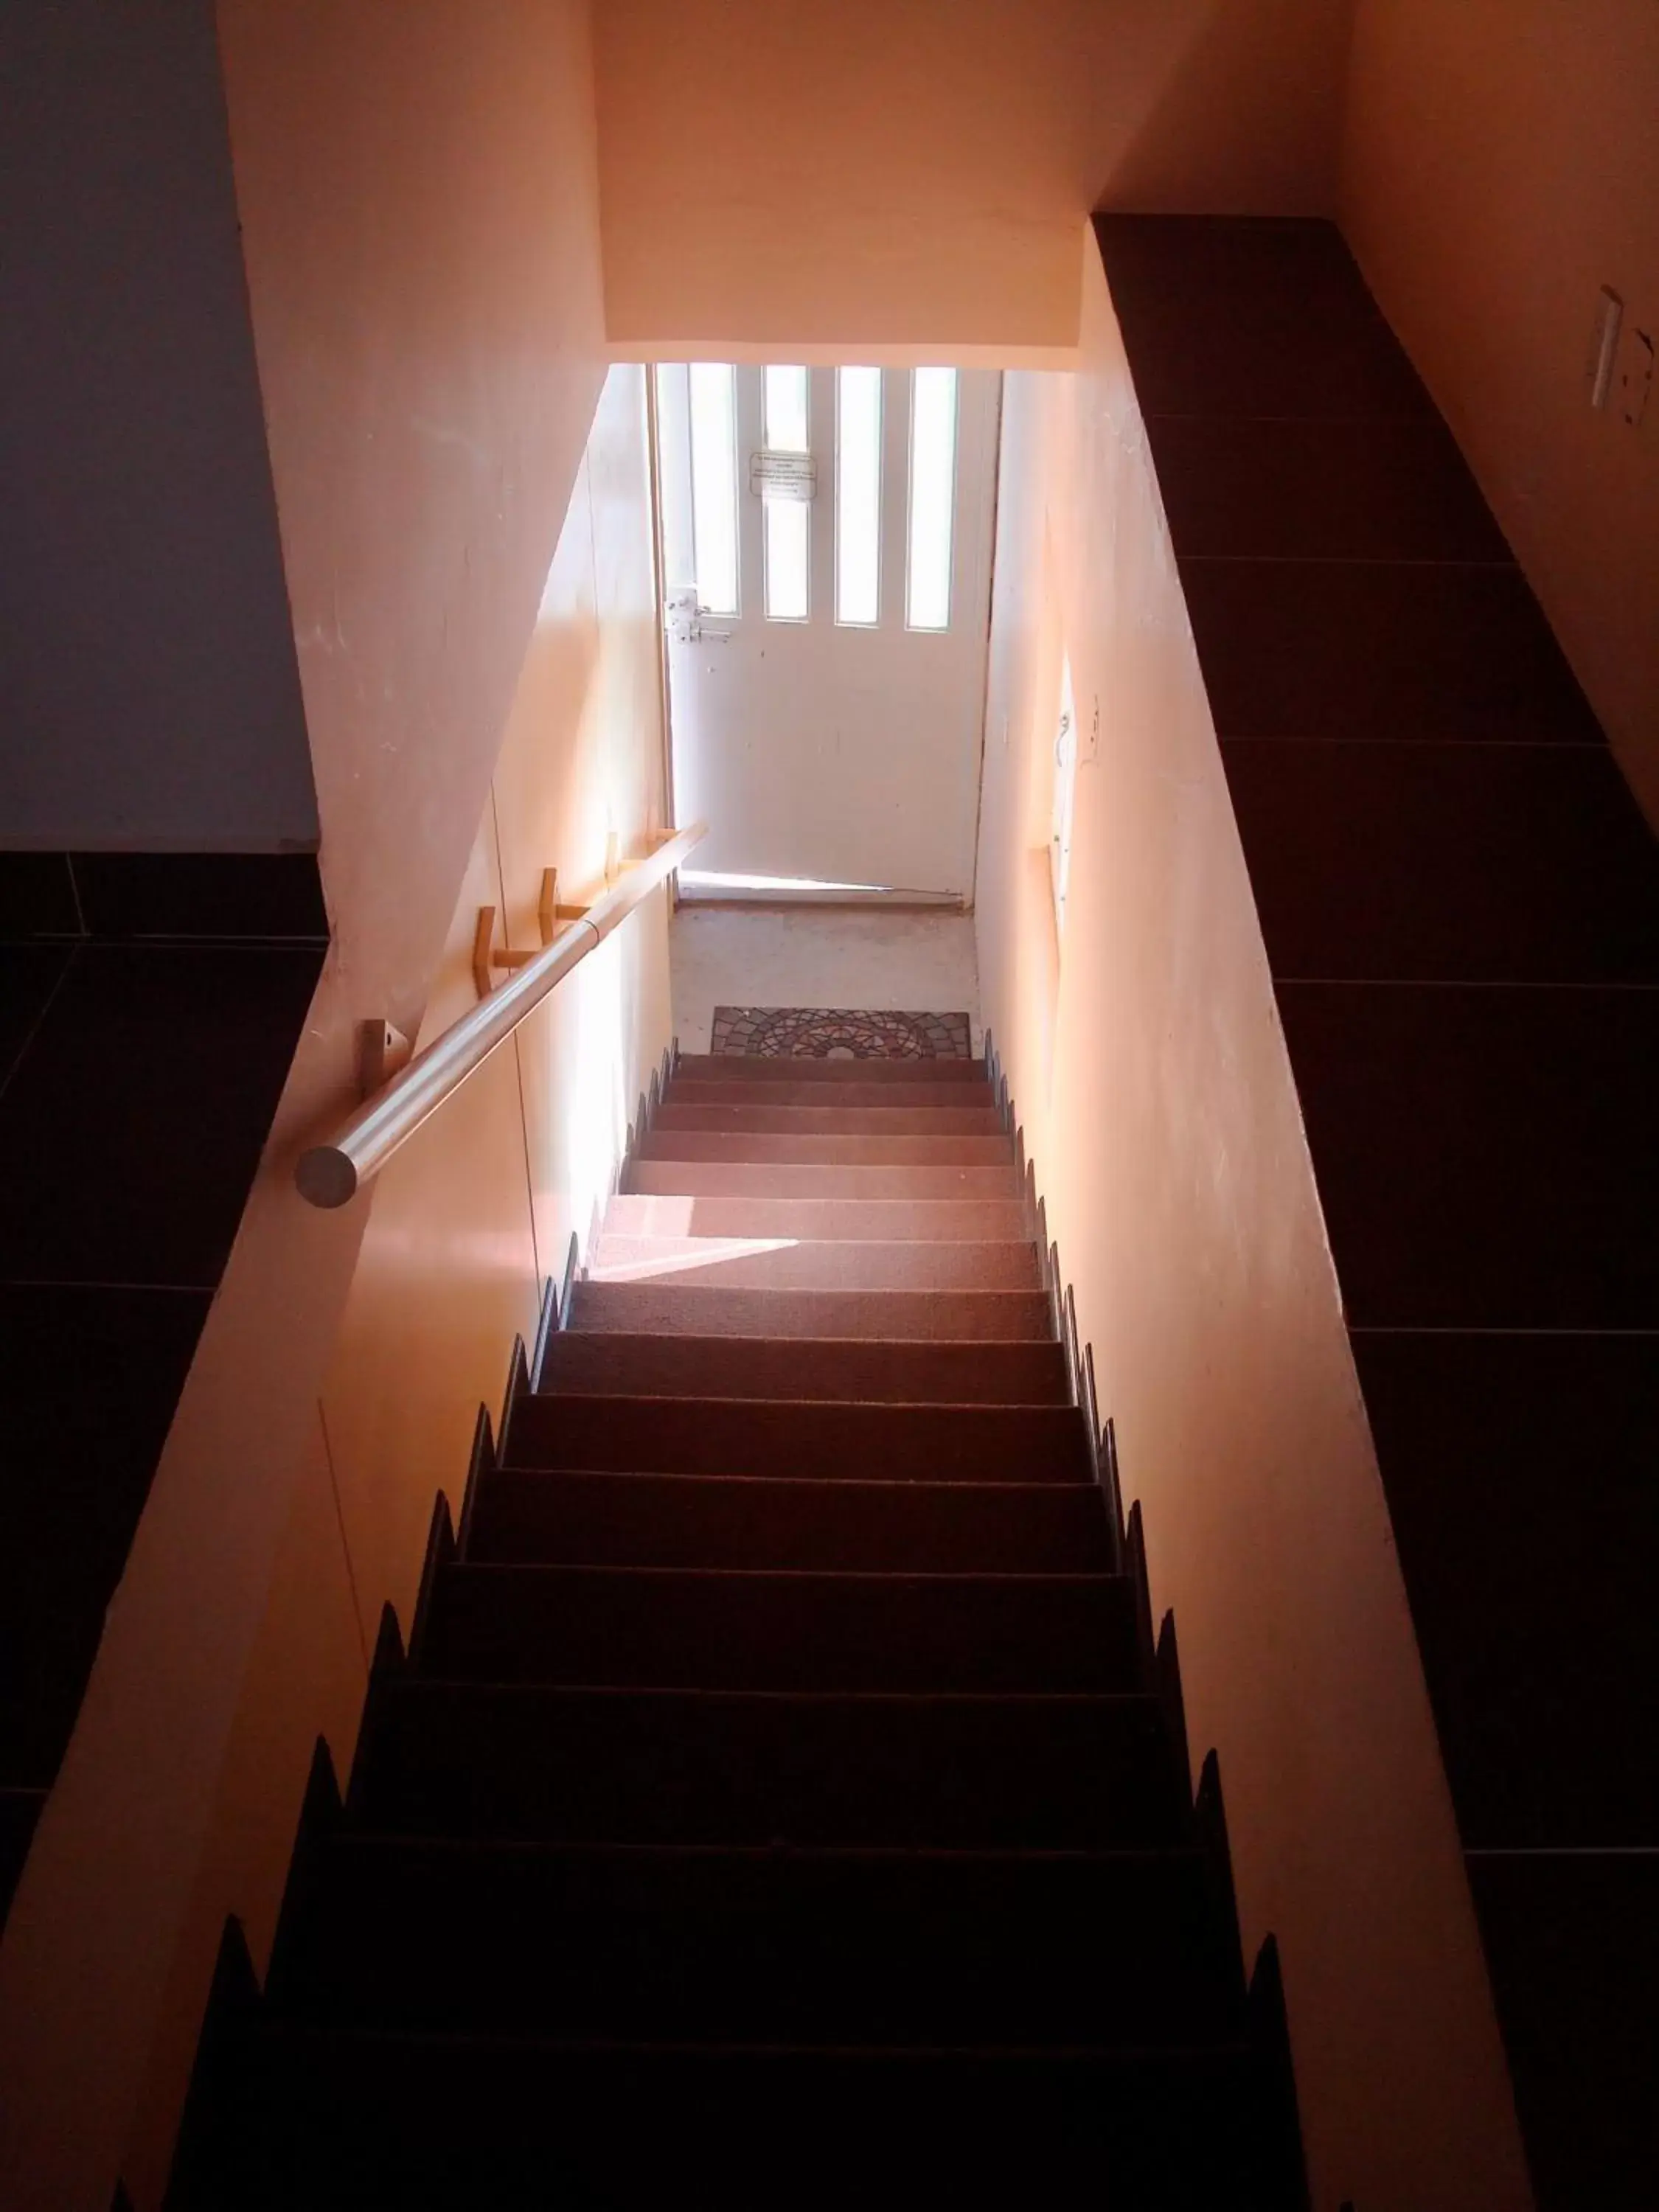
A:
1604, 345
1634, 377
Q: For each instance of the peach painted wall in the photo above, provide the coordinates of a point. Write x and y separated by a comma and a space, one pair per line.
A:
868, 174
1150, 1072
419, 206
468, 1221
1500, 165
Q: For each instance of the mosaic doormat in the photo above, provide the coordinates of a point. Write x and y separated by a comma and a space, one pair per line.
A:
839, 1033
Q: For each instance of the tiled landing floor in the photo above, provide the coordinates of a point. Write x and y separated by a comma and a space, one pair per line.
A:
818, 956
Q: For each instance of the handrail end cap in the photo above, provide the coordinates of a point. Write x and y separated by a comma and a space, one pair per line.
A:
326, 1177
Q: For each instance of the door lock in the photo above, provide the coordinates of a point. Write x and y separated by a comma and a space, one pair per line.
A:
682, 618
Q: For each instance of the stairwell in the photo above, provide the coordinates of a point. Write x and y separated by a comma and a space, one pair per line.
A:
783, 1799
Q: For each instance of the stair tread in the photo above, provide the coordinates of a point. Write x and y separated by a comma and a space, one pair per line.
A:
825, 1148
820, 1220
742, 1116
820, 1264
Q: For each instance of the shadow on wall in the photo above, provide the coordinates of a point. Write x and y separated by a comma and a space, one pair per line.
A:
475, 1214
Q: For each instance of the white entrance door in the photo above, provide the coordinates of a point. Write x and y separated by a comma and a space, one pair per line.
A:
827, 567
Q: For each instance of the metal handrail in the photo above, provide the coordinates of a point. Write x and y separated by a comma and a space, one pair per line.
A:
331, 1174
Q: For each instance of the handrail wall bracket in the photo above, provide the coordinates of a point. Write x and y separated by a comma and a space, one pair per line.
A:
331, 1174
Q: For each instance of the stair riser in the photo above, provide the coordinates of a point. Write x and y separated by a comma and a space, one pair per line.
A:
979, 1123
836, 1220
665, 1630
533, 1766
767, 1180
739, 1264
678, 1521
836, 1074
735, 1367
732, 1436
686, 1308
791, 1090
518, 2127
711, 1947
755, 1146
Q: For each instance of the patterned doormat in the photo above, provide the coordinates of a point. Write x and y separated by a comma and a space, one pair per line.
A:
839, 1033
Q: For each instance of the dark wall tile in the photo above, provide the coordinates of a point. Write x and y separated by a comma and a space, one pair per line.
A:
1573, 1946
1251, 316
1461, 862
130, 1133
1311, 490
1485, 1156
37, 897
211, 894
1380, 649
1520, 1480
29, 974
92, 1378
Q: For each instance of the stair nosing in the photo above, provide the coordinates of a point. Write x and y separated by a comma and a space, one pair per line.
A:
780, 1574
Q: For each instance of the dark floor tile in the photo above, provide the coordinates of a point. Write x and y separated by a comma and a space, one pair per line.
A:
1572, 1944
130, 1132
1461, 862
1251, 315
213, 895
20, 1809
91, 1382
1322, 491
1520, 1480
1485, 1156
1362, 649
29, 974
37, 898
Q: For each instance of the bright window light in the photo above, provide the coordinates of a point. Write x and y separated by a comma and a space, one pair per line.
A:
715, 485
932, 495
858, 495
787, 520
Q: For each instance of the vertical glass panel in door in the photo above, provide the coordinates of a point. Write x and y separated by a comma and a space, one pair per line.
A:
858, 495
715, 485
933, 496
788, 521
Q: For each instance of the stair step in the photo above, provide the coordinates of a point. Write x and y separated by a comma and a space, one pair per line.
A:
687, 1306
891, 1074
785, 1263
838, 1121
830, 1221
322, 2119
683, 1366
827, 1149
789, 1438
701, 1521
794, 1089
521, 1761
683, 1629
716, 1945
819, 1181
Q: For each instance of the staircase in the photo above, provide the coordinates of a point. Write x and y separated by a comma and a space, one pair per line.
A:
782, 1801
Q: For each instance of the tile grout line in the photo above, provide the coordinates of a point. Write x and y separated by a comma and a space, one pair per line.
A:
33, 1032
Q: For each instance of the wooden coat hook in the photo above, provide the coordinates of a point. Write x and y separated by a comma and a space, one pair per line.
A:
486, 956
